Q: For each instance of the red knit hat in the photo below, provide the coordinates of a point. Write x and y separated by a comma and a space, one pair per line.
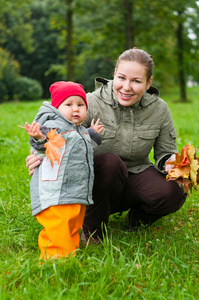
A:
61, 90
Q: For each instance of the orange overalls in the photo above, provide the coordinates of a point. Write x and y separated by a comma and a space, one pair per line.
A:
60, 235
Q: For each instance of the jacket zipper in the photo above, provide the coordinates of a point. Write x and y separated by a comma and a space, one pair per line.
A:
87, 162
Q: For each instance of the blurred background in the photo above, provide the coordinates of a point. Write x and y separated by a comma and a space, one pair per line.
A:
49, 40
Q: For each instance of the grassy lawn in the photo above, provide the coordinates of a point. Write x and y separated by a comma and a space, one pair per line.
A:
160, 262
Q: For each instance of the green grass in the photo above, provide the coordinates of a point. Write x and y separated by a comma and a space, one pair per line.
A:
160, 262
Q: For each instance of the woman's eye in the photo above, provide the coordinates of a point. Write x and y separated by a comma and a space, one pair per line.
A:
121, 77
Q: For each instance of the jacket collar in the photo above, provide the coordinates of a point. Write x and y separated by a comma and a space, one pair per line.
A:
104, 90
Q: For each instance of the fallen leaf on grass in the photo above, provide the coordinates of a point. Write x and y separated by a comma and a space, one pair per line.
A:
137, 266
54, 143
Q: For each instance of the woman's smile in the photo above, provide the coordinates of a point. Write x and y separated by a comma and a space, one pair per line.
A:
125, 96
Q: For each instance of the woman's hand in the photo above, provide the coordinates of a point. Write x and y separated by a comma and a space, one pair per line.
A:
169, 167
32, 161
98, 128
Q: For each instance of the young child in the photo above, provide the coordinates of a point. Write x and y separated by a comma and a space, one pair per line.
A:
59, 194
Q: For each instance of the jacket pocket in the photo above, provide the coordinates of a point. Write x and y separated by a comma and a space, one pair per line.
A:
49, 173
146, 140
173, 134
109, 129
148, 135
108, 133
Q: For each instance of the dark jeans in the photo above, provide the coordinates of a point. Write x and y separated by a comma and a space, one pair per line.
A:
148, 195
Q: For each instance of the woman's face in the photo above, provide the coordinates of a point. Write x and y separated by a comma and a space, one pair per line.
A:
130, 82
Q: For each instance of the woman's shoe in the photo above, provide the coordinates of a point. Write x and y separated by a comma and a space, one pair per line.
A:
89, 240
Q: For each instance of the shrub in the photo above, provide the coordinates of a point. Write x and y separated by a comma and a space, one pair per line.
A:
9, 71
27, 89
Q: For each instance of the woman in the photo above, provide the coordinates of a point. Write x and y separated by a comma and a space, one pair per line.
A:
136, 120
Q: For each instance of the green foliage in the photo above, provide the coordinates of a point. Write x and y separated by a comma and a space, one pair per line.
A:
9, 72
14, 23
159, 262
36, 33
27, 89
38, 64
12, 85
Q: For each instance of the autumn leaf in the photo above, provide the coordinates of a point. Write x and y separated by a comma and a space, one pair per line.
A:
54, 143
194, 166
186, 168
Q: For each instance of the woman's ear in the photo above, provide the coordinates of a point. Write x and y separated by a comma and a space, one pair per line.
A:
149, 83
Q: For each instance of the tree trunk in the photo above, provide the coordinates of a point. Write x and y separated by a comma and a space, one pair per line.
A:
129, 28
69, 49
181, 76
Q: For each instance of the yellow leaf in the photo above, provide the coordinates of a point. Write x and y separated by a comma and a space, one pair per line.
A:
194, 166
180, 172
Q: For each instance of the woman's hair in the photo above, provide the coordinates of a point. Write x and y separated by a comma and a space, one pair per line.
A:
140, 56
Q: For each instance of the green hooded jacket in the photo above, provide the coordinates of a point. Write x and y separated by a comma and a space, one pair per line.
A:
131, 132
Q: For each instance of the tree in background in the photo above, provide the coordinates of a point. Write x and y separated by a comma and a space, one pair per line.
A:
9, 73
193, 34
79, 40
180, 54
15, 23
165, 30
128, 6
69, 48
47, 53
183, 12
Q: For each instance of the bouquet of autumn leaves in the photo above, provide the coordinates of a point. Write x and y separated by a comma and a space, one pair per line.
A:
186, 168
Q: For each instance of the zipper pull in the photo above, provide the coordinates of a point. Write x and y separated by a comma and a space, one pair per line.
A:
132, 115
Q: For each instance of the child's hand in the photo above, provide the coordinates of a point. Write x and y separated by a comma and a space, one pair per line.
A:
34, 130
98, 128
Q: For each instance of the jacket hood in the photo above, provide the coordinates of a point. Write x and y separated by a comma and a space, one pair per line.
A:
49, 112
104, 91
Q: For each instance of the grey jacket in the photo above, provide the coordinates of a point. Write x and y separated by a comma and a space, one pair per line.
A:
131, 132
72, 180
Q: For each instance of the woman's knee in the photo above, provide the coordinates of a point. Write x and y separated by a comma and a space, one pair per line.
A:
175, 197
109, 165
170, 199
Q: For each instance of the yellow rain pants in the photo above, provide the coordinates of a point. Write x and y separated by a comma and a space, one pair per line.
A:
60, 235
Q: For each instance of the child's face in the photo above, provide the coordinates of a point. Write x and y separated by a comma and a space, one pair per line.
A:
73, 109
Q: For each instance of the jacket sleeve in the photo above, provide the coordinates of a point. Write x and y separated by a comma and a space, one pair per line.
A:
95, 137
91, 114
165, 144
